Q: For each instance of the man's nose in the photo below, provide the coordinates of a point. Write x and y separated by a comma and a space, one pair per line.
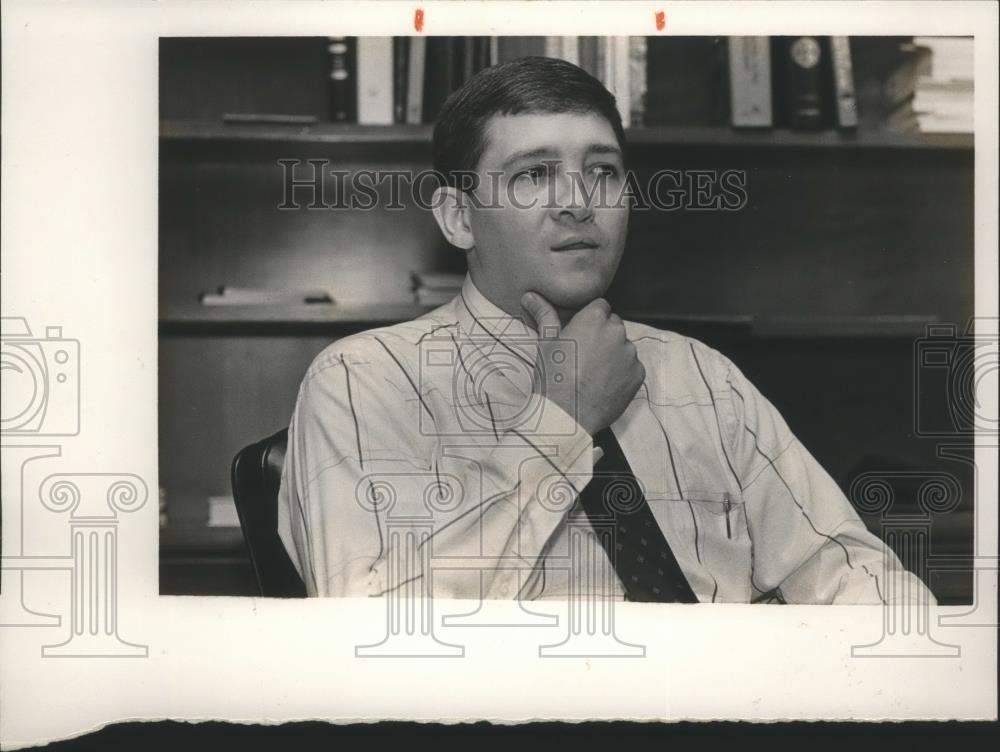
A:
568, 201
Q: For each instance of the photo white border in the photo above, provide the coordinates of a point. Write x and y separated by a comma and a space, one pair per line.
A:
79, 245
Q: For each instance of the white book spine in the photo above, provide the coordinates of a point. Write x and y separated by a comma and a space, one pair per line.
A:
750, 81
571, 50
637, 80
606, 58
415, 81
620, 77
375, 80
843, 82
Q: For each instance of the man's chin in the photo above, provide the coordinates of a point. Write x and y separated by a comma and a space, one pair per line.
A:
572, 300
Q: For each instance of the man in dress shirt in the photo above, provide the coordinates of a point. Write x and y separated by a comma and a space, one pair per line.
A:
475, 423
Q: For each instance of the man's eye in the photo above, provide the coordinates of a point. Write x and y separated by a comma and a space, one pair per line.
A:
605, 170
533, 173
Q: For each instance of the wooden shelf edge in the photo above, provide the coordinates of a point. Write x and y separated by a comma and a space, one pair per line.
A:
334, 134
234, 321
320, 133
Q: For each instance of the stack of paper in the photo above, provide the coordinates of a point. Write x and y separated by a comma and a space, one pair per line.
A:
435, 288
222, 512
944, 100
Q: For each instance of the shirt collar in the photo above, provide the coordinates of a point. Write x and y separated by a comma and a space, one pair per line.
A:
479, 318
478, 315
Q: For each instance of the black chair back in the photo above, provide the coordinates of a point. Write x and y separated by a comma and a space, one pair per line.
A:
256, 477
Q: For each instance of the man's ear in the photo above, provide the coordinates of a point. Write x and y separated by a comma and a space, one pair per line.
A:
451, 211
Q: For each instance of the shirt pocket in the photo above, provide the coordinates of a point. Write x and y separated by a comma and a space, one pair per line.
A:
715, 526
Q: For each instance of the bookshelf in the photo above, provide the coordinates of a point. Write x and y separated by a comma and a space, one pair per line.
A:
851, 244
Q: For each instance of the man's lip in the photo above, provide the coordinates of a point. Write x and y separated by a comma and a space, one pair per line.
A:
574, 244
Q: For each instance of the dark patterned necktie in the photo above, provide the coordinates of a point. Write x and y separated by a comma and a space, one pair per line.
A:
613, 500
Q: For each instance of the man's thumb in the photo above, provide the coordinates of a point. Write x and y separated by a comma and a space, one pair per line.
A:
541, 312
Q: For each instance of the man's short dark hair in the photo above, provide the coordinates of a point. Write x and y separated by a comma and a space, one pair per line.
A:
527, 85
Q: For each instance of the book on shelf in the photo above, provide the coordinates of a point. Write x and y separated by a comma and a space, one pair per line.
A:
588, 55
903, 119
448, 63
792, 82
342, 62
800, 65
750, 93
566, 48
885, 79
616, 62
375, 85
469, 57
637, 80
511, 48
686, 81
400, 78
845, 102
263, 296
439, 75
944, 99
416, 57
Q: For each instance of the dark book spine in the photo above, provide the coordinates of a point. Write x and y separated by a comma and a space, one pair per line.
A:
437, 78
482, 53
588, 56
800, 71
686, 80
468, 62
343, 74
400, 77
452, 64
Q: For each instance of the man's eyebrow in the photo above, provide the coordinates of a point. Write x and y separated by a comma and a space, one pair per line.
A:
528, 154
604, 149
548, 152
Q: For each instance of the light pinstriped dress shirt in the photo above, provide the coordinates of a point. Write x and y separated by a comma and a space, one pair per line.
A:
431, 426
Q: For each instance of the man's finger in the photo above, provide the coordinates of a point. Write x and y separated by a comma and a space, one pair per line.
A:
599, 304
542, 314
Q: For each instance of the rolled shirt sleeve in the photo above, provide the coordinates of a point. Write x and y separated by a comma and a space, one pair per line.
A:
363, 453
808, 542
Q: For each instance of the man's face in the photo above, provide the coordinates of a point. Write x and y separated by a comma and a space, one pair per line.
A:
535, 230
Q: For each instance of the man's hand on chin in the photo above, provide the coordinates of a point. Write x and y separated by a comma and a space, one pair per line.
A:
607, 372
